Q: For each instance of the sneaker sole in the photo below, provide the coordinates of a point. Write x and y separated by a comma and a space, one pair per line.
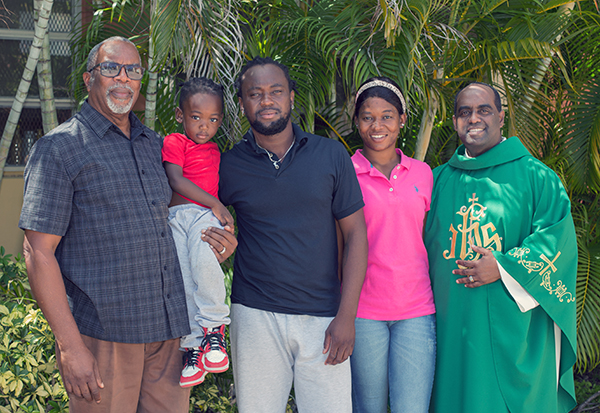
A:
199, 380
217, 368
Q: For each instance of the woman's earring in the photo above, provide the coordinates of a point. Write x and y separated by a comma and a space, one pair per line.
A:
242, 111
292, 105
402, 125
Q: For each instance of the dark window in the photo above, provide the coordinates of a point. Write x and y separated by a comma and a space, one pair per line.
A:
16, 35
29, 130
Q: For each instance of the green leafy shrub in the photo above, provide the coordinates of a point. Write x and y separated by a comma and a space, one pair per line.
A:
215, 395
29, 379
13, 279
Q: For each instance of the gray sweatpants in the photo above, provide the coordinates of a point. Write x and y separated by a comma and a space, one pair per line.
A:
202, 275
270, 351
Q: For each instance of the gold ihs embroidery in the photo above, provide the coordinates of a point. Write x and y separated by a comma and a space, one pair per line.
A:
472, 233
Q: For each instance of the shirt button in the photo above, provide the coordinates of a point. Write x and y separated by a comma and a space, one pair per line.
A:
395, 177
143, 172
154, 202
165, 268
168, 295
162, 234
391, 189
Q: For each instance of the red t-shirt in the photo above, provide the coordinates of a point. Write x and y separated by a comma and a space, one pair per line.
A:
199, 162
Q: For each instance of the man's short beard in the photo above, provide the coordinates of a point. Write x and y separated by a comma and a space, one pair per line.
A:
274, 128
115, 107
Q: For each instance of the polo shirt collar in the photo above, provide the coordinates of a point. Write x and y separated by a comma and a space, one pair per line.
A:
99, 124
300, 135
363, 165
251, 140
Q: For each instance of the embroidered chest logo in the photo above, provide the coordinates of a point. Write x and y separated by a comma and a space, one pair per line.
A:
546, 268
470, 231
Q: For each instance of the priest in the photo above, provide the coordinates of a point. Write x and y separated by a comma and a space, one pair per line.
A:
503, 259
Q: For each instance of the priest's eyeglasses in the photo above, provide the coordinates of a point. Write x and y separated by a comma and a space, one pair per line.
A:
112, 69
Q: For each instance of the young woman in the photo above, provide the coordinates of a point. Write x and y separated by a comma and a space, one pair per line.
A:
394, 351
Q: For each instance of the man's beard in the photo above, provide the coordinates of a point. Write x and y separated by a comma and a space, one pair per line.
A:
116, 107
274, 128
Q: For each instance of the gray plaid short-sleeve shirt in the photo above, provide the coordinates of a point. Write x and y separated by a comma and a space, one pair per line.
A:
108, 196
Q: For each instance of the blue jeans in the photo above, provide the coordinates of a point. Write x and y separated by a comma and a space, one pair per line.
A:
395, 360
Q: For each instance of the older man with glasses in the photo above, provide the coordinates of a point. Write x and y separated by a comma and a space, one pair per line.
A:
99, 252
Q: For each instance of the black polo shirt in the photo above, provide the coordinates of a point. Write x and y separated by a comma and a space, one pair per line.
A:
286, 260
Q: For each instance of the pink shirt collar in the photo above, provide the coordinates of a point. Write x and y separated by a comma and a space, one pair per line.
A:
363, 165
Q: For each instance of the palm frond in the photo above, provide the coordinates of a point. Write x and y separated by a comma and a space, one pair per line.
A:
582, 135
218, 53
588, 285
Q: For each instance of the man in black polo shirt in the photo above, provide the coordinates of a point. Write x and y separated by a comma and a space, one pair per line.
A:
290, 322
99, 251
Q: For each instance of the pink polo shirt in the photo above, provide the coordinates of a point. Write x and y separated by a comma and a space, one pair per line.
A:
397, 285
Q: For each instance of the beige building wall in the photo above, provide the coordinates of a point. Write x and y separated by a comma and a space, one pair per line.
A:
11, 200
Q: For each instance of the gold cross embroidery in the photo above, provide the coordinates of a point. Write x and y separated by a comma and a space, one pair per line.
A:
550, 263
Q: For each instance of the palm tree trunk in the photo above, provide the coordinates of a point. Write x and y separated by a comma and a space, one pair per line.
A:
41, 26
44, 70
428, 119
150, 114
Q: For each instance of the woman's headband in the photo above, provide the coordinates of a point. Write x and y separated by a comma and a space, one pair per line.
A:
387, 85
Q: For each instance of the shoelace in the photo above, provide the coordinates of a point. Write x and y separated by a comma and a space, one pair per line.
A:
215, 341
190, 358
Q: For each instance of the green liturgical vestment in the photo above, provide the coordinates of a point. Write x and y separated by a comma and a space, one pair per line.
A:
491, 356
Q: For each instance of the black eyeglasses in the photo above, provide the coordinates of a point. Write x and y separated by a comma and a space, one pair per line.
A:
112, 69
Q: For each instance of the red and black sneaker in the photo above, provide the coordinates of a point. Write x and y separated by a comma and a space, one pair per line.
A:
193, 372
214, 357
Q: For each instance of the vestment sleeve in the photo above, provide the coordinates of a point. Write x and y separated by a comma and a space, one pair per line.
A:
48, 192
545, 263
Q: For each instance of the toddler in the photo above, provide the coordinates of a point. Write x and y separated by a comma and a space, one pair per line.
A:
192, 165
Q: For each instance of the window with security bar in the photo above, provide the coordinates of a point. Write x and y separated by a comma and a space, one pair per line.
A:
16, 35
